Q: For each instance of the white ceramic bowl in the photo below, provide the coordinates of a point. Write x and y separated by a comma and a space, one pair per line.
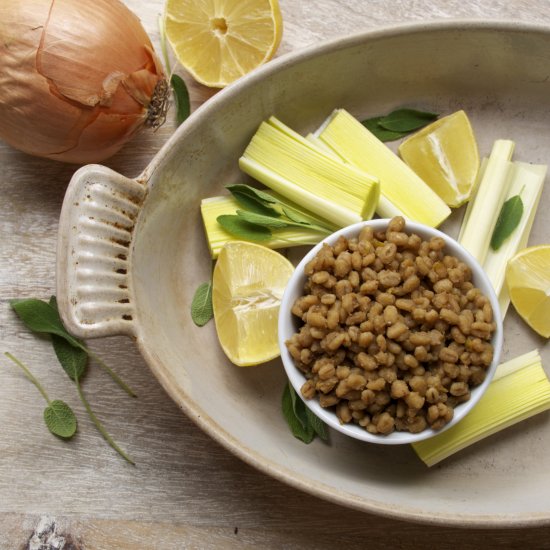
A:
289, 324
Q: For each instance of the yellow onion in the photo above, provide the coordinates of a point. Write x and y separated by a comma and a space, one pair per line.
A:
78, 78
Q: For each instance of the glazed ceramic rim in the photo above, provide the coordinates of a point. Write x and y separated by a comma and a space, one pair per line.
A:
194, 411
288, 325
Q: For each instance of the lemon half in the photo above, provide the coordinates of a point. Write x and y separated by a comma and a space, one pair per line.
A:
528, 280
218, 41
248, 285
445, 155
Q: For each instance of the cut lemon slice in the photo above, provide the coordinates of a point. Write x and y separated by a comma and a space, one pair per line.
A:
444, 154
528, 280
218, 41
248, 284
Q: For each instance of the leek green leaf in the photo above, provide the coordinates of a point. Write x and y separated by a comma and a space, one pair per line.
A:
243, 229
406, 120
508, 219
60, 419
201, 306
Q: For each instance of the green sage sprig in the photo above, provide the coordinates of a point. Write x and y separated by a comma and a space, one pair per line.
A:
301, 421
263, 214
43, 317
72, 354
58, 416
398, 123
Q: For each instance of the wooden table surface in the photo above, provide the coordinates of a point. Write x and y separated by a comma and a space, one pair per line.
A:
186, 491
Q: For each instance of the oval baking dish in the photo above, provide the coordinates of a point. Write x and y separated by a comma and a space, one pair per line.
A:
131, 253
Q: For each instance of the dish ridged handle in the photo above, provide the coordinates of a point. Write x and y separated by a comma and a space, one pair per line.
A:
93, 252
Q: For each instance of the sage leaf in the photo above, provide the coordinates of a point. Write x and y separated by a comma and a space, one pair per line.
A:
58, 416
244, 189
260, 219
201, 306
60, 419
298, 407
398, 123
181, 97
42, 317
295, 216
304, 222
73, 360
252, 202
319, 427
243, 229
406, 120
508, 219
305, 434
372, 124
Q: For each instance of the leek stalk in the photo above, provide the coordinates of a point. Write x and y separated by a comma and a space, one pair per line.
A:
295, 168
520, 389
402, 192
217, 236
483, 210
527, 181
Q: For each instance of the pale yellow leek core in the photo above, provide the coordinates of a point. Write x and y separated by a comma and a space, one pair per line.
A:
500, 179
294, 167
217, 236
520, 389
402, 192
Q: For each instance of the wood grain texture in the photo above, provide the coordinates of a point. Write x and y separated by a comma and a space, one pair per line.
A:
186, 491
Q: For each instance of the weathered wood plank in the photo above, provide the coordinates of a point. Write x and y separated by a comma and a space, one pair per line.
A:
185, 491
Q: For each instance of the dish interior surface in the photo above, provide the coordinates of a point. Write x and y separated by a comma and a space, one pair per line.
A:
499, 76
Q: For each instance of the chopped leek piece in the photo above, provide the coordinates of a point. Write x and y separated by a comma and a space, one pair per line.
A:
385, 208
320, 144
483, 210
402, 192
527, 181
295, 168
520, 389
217, 236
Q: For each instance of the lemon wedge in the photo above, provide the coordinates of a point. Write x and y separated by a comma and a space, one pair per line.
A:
528, 280
445, 155
218, 41
248, 284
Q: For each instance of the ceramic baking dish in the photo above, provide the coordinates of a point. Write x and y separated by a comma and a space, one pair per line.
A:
132, 252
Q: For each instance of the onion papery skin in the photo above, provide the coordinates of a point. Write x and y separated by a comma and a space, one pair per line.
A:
76, 77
